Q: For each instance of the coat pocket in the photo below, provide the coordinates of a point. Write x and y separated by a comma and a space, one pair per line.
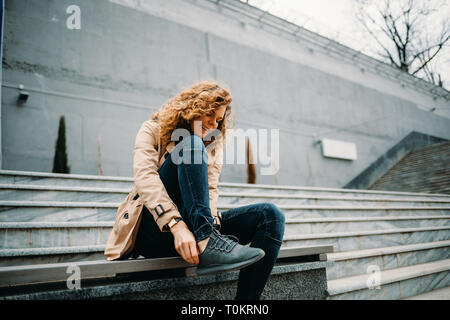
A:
122, 238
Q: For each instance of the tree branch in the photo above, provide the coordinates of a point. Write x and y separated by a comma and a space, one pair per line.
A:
428, 60
388, 53
400, 30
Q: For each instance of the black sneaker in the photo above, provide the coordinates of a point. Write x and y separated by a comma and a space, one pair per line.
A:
224, 254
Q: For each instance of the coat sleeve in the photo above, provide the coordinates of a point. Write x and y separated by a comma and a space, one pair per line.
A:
147, 180
213, 181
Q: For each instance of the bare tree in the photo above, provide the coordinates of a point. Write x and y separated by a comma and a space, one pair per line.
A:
408, 35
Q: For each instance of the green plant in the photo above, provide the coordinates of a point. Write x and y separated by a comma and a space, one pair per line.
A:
60, 164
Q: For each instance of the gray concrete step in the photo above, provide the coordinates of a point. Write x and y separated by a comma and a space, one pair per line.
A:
60, 179
23, 192
346, 224
60, 234
437, 294
52, 179
28, 211
351, 263
28, 256
316, 191
394, 284
368, 239
77, 233
16, 211
303, 212
53, 234
389, 230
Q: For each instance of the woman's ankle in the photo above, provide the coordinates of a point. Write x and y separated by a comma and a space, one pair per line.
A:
202, 245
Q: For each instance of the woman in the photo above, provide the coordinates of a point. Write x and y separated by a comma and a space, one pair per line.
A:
176, 180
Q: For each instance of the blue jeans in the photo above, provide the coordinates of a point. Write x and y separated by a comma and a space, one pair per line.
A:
261, 224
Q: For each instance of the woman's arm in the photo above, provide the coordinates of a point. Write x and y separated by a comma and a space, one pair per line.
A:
146, 177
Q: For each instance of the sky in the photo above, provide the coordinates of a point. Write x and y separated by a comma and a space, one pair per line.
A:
336, 19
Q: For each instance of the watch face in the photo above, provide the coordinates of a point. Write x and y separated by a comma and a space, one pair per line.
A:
173, 222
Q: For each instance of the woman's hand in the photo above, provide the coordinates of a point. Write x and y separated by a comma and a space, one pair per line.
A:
185, 242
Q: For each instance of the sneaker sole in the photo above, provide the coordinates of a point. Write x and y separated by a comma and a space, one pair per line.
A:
222, 268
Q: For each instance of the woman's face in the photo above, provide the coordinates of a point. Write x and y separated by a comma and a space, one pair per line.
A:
205, 124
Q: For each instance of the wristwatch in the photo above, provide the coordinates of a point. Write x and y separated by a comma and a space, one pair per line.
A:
172, 222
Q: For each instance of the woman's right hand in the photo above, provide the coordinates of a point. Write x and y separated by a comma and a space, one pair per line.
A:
185, 242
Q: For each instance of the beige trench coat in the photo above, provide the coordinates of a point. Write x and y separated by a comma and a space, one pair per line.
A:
149, 190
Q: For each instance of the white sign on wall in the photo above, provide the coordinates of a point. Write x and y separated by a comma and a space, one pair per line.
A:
338, 149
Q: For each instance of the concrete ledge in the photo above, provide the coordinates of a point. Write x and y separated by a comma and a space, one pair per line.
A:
288, 281
37, 274
76, 254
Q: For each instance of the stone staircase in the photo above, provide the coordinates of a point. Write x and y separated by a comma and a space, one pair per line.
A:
423, 169
388, 245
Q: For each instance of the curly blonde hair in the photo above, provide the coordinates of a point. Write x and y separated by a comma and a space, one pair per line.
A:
200, 99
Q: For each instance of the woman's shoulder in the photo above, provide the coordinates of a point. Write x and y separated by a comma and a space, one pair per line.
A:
152, 125
152, 122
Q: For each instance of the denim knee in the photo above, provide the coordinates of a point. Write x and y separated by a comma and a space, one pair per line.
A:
192, 150
275, 221
273, 213
194, 142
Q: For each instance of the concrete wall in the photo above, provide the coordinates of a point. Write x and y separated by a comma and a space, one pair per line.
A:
2, 9
129, 57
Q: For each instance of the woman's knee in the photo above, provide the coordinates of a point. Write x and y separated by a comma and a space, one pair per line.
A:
194, 142
193, 150
275, 222
273, 213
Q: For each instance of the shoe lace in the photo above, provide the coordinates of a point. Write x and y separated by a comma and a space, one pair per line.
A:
223, 242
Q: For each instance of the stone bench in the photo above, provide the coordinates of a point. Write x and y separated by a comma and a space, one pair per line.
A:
300, 273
